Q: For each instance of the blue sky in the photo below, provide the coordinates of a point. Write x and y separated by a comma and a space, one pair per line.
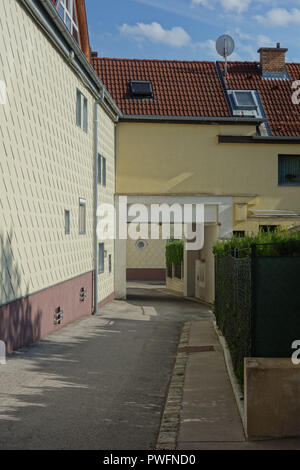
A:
187, 29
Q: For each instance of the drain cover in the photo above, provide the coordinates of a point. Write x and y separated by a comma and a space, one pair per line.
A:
194, 349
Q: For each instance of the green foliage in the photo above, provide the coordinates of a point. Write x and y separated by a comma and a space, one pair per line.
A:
174, 252
277, 243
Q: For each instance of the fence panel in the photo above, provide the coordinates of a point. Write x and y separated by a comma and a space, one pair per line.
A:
276, 305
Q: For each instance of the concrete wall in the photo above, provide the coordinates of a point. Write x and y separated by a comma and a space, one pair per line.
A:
272, 405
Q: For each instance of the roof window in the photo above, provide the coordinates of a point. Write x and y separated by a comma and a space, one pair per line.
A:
141, 89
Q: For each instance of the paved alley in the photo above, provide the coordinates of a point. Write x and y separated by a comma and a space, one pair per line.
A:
99, 383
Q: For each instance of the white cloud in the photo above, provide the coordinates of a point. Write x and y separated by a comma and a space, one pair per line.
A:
204, 3
235, 5
154, 32
280, 17
264, 41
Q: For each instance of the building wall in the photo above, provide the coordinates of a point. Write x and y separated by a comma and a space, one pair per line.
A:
46, 164
106, 195
158, 158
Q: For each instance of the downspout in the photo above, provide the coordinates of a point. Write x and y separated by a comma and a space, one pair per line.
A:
96, 122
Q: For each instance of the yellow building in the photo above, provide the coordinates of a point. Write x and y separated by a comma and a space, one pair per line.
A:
189, 133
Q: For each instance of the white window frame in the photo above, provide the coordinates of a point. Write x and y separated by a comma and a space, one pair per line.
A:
68, 14
82, 111
249, 92
82, 224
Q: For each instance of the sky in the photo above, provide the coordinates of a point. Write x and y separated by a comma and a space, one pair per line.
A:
188, 29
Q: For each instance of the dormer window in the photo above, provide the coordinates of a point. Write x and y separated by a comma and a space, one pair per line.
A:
67, 12
247, 103
141, 89
244, 99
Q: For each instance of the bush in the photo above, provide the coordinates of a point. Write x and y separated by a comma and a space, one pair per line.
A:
174, 252
277, 243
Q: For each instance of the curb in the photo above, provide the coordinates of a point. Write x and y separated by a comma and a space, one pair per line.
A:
238, 395
167, 437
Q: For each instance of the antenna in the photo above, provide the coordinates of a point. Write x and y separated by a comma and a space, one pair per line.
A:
225, 47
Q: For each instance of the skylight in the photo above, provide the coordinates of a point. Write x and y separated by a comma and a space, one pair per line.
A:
244, 99
141, 88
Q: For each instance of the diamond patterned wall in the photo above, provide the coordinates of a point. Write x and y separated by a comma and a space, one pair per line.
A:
46, 162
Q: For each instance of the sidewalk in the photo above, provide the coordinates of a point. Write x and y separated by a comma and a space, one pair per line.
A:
209, 417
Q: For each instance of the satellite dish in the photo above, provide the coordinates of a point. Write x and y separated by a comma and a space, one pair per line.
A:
225, 47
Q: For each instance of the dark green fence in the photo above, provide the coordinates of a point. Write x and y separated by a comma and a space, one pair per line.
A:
257, 303
275, 305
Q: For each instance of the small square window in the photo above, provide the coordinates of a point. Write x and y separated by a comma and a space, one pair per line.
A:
101, 258
82, 216
67, 223
289, 170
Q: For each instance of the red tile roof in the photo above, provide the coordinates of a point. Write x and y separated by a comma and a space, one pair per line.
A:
183, 88
276, 95
179, 88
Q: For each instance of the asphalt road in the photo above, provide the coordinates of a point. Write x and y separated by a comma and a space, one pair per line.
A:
99, 383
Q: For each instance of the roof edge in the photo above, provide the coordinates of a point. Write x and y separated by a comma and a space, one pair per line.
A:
256, 139
190, 119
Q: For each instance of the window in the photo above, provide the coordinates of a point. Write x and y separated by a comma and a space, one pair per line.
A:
289, 170
268, 228
141, 89
67, 12
78, 108
67, 223
101, 258
110, 263
239, 233
82, 216
104, 171
85, 114
141, 245
81, 111
99, 169
244, 99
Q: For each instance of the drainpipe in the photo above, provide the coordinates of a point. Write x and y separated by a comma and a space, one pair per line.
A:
96, 122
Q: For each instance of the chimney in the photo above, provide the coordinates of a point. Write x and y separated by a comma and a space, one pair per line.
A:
272, 59
94, 54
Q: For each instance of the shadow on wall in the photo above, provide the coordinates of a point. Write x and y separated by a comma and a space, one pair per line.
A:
19, 325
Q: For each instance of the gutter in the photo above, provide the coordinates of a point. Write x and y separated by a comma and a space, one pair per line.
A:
255, 139
70, 50
191, 119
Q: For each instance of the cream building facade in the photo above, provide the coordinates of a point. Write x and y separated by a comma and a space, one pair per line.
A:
49, 255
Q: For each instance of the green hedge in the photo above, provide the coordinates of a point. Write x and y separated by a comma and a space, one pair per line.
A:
174, 252
277, 243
